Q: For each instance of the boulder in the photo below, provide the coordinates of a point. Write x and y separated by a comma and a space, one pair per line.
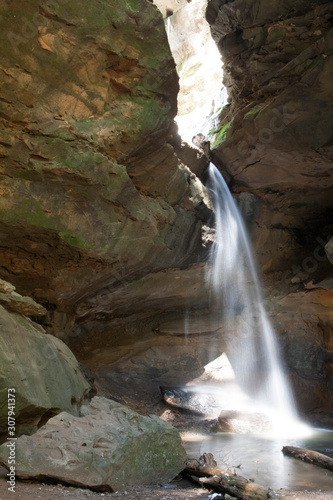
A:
178, 397
243, 422
108, 448
41, 370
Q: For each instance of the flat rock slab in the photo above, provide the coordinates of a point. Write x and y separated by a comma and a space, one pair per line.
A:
109, 448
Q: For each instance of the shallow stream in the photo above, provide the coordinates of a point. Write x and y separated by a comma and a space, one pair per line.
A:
260, 458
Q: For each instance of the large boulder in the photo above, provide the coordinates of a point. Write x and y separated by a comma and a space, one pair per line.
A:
108, 448
41, 372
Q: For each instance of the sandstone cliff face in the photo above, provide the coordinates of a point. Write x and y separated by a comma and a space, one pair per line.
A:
91, 190
275, 140
99, 218
278, 125
93, 196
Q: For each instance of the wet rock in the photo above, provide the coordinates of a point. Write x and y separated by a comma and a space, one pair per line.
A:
304, 325
185, 400
170, 5
243, 422
42, 372
108, 448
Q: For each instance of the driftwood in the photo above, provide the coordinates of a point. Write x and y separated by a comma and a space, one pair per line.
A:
312, 457
206, 472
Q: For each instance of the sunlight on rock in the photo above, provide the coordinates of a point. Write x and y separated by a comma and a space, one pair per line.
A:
199, 67
218, 370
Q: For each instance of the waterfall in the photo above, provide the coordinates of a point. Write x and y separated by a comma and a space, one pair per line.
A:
168, 26
236, 296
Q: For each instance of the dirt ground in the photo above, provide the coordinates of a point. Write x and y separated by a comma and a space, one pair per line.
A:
31, 490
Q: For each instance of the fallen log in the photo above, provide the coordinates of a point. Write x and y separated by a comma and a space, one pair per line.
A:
312, 457
206, 472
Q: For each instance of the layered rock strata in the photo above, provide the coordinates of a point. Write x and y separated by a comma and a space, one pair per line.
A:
275, 139
94, 198
91, 189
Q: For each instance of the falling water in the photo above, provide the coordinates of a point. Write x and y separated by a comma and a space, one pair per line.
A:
235, 292
168, 26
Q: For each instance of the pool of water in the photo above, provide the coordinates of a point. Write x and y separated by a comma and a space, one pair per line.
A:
261, 459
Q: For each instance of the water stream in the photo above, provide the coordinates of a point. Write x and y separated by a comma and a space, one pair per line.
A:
259, 457
249, 376
259, 384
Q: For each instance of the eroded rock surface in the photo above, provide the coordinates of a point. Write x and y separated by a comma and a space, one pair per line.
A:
15, 302
275, 133
108, 448
100, 220
95, 203
91, 189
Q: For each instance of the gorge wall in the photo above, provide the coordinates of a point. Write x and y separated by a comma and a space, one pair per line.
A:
93, 196
275, 140
102, 221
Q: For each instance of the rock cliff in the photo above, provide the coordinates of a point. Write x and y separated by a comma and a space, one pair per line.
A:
94, 200
91, 189
104, 225
275, 140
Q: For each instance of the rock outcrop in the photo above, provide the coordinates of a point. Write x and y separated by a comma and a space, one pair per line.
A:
242, 422
13, 301
275, 133
109, 448
91, 189
275, 139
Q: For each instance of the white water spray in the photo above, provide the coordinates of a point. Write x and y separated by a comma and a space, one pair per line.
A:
252, 349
